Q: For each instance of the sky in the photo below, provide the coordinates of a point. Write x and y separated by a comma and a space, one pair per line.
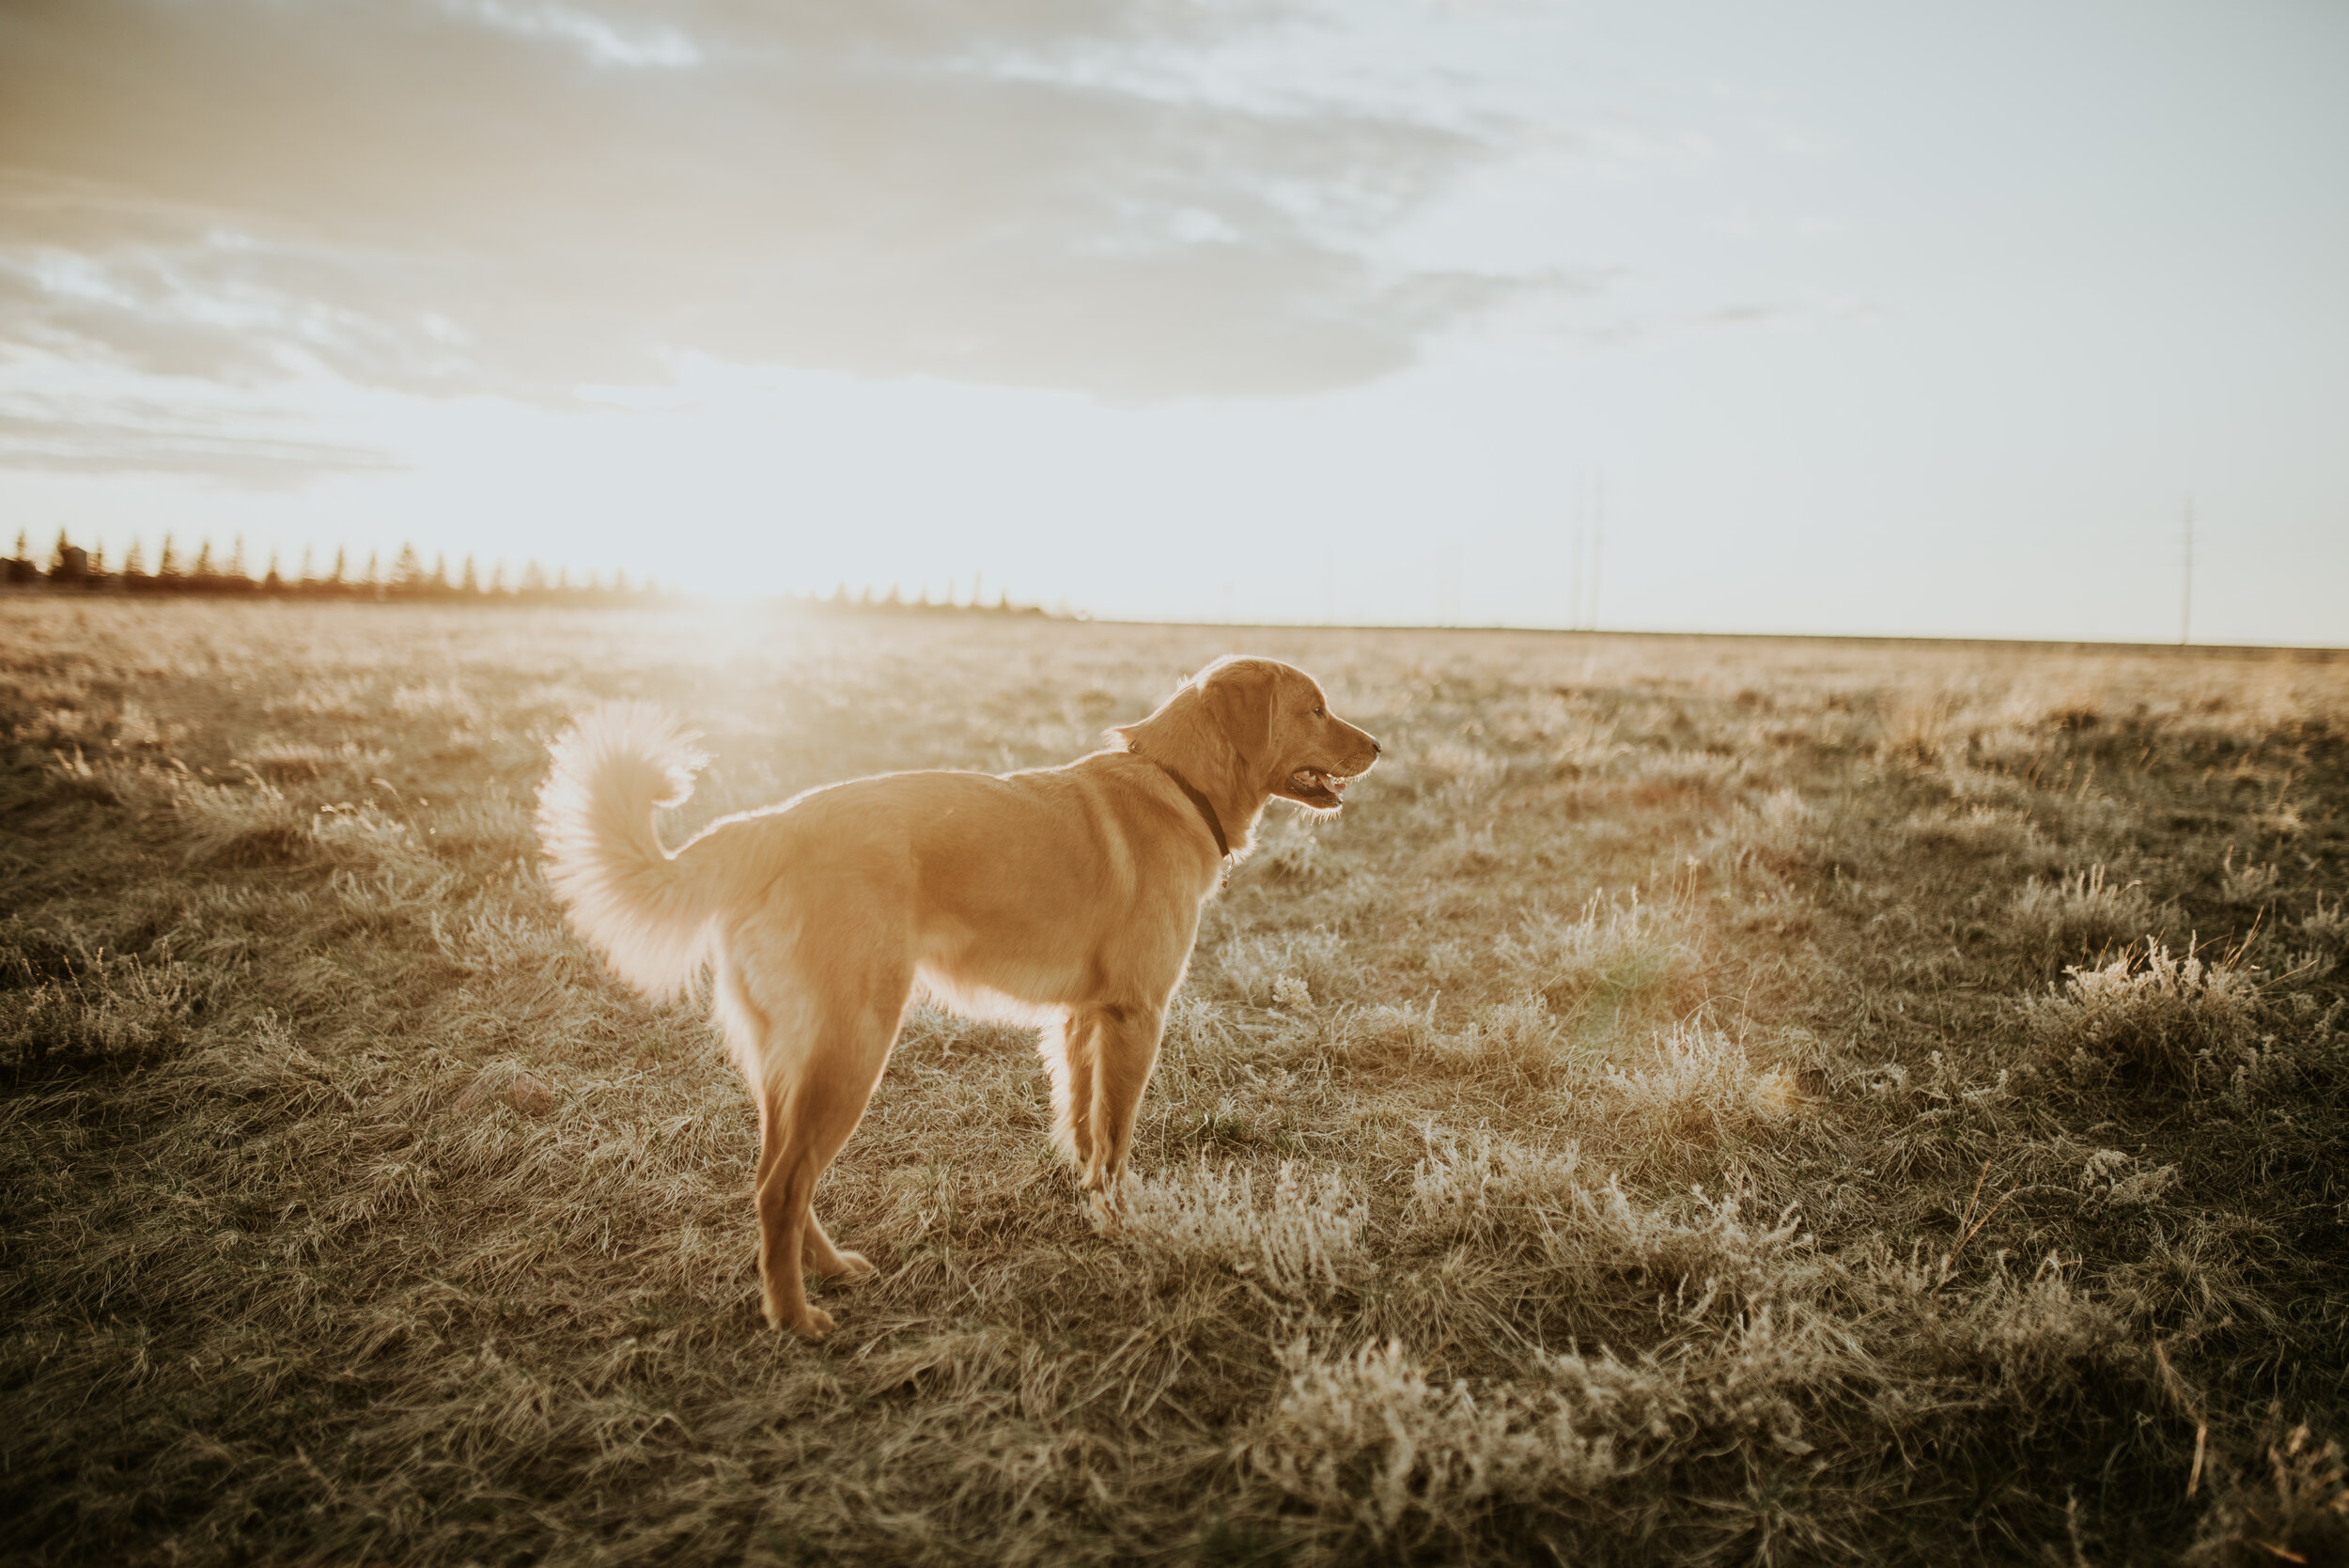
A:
1801, 316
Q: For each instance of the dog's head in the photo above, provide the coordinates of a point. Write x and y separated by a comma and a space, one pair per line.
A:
1275, 723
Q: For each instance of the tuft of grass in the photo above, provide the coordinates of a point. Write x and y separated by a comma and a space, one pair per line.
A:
2326, 929
104, 1012
1917, 728
1707, 1252
2291, 1508
1699, 1095
1618, 963
1520, 1041
2080, 913
2247, 883
1978, 829
1485, 1187
1302, 1238
248, 825
1286, 970
2151, 1018
1397, 1461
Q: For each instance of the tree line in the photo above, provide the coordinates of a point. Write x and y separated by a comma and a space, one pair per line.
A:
72, 568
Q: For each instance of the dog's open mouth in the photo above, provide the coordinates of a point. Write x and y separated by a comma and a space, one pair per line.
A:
1315, 786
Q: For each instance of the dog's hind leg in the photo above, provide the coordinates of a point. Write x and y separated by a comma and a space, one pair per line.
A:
783, 1205
779, 1305
817, 1253
810, 1114
827, 1007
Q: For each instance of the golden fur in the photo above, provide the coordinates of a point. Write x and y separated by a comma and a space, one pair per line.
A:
1064, 897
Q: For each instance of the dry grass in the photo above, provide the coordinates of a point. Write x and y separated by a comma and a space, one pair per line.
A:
2173, 1022
1705, 1102
2081, 914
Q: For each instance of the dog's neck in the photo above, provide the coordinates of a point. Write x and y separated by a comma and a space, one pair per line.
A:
1210, 766
1208, 814
1235, 808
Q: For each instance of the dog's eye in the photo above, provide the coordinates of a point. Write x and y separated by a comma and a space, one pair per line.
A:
1319, 714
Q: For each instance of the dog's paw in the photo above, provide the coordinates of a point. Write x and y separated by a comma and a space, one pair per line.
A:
1108, 1218
854, 1269
813, 1325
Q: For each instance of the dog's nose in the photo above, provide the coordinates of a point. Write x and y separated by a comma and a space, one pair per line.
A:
1376, 749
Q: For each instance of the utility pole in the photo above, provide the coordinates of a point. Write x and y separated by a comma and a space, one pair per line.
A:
2186, 577
1574, 567
1598, 540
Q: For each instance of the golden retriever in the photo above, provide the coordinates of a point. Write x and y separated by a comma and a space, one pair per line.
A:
1068, 898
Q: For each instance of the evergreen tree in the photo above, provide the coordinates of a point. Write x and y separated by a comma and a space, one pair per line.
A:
24, 550
56, 558
167, 564
273, 582
408, 570
134, 564
308, 560
375, 576
497, 576
471, 583
534, 577
236, 558
339, 566
204, 562
440, 571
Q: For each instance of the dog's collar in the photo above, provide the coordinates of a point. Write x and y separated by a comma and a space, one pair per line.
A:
1207, 807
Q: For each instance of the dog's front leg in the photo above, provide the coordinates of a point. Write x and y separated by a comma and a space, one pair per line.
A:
1069, 1046
1126, 1039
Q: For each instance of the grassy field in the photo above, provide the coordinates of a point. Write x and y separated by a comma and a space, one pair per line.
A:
1705, 1101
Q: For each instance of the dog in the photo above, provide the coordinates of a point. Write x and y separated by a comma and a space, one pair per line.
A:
1066, 897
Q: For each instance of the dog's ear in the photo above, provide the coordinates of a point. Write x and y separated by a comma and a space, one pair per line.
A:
1239, 698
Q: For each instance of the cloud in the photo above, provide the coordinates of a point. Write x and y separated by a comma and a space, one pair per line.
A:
85, 434
455, 197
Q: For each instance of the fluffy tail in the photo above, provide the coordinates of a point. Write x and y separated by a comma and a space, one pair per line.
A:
646, 911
